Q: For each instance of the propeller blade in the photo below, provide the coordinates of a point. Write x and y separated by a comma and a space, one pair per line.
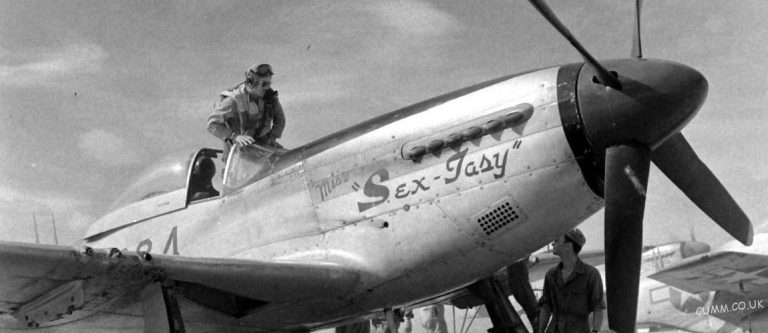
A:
626, 179
679, 162
637, 49
602, 74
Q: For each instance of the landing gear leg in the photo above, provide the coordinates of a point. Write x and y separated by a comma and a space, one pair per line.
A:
393, 319
161, 310
520, 285
503, 316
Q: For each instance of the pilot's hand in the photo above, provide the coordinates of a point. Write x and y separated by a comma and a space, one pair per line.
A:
272, 140
244, 140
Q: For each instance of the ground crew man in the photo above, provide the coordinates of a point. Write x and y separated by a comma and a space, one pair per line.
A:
572, 290
250, 113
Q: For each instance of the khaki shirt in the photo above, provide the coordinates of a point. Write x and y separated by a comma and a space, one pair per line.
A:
570, 302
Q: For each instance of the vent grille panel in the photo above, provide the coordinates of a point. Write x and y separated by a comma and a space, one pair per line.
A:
498, 218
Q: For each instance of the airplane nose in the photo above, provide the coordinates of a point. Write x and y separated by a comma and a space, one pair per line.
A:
656, 100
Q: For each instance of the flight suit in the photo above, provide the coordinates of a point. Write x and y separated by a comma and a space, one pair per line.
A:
570, 302
239, 114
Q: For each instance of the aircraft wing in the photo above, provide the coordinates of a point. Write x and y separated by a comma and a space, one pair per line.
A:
45, 281
739, 279
734, 272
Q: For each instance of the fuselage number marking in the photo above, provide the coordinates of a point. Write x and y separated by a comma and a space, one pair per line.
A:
171, 244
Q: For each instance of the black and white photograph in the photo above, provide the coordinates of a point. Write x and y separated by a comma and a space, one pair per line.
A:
522, 166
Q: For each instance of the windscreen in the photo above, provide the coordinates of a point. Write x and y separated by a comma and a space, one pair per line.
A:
247, 164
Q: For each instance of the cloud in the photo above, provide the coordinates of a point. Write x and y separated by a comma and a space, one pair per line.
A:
19, 209
317, 90
198, 109
40, 200
107, 148
415, 18
760, 227
43, 66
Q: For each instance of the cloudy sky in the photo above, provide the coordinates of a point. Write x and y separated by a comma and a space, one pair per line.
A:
92, 91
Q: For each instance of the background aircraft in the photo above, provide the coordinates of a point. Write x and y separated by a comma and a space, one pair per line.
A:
603, 82
732, 281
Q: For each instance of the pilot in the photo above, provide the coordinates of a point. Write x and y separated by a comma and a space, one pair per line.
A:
249, 113
200, 183
572, 290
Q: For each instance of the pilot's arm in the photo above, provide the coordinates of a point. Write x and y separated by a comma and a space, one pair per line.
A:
278, 122
217, 121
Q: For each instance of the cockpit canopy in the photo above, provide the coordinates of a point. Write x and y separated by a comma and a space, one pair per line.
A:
172, 172
163, 176
178, 180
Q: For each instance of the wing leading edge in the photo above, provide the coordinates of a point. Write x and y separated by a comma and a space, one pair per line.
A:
42, 284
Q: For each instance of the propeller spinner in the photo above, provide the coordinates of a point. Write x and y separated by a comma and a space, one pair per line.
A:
636, 122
